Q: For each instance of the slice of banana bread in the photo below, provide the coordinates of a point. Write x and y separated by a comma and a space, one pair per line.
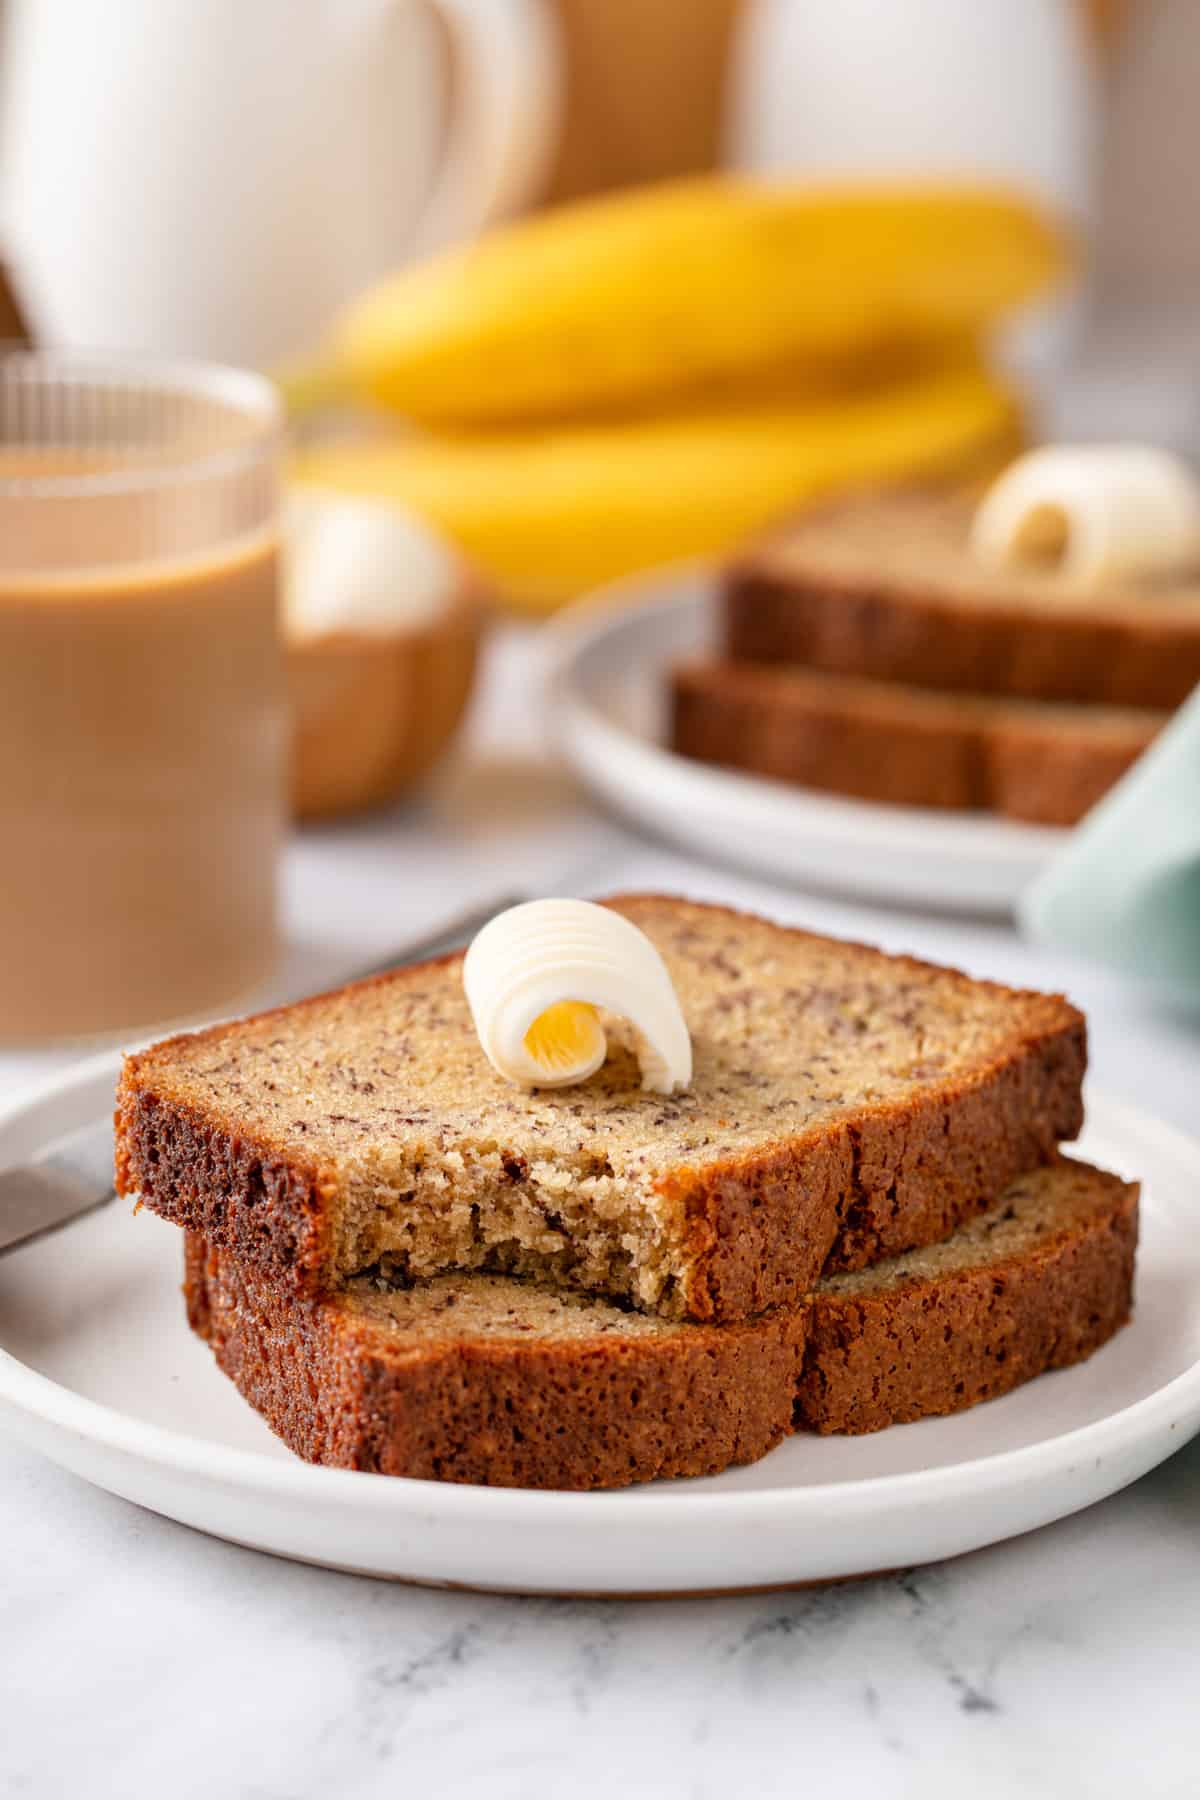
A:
907, 746
845, 1105
480, 1378
885, 586
1039, 1281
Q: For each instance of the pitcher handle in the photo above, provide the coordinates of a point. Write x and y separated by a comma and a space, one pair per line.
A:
506, 112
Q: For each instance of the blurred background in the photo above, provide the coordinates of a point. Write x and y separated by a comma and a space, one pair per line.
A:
545, 294
669, 87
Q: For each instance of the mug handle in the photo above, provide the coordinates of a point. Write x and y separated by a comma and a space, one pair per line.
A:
509, 91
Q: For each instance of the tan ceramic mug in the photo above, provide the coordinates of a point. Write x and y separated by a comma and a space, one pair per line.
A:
143, 731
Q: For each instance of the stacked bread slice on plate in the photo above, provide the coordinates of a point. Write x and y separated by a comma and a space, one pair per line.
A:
857, 1214
870, 653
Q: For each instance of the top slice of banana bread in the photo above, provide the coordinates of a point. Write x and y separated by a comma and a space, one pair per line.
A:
845, 1105
885, 586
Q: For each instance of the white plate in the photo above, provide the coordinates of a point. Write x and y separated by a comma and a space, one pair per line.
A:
99, 1371
608, 683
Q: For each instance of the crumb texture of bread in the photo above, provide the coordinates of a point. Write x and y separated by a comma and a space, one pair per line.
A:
482, 1378
885, 587
845, 1105
1047, 764
1038, 1282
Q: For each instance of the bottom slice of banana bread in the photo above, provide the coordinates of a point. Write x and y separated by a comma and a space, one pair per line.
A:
486, 1379
907, 746
1038, 1282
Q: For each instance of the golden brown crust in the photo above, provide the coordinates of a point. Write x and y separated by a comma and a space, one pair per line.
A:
206, 1175
347, 1384
210, 1176
1049, 776
340, 1390
890, 612
905, 747
758, 1229
940, 1345
765, 1229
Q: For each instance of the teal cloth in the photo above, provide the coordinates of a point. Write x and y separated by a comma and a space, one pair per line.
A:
1125, 889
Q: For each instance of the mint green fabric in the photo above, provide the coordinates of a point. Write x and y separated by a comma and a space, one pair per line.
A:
1125, 889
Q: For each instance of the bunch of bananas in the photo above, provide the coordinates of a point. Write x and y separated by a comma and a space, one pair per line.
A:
651, 376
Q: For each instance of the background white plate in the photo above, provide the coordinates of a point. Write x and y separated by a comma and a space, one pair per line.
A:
610, 659
99, 1371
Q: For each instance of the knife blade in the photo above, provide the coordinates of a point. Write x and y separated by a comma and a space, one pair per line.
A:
73, 1175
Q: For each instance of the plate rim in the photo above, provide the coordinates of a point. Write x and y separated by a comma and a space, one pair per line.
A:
31, 1395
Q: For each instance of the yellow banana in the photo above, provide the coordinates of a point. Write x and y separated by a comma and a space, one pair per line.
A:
627, 299
552, 512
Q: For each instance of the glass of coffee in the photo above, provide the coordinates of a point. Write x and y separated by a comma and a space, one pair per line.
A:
143, 733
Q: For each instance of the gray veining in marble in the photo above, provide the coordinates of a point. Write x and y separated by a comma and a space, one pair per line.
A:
138, 1658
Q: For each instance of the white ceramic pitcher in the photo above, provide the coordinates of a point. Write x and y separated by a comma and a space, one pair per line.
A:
214, 177
998, 91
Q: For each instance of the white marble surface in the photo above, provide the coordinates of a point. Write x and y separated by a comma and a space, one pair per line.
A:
138, 1658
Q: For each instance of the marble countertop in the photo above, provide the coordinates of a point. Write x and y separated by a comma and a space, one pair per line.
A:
138, 1658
